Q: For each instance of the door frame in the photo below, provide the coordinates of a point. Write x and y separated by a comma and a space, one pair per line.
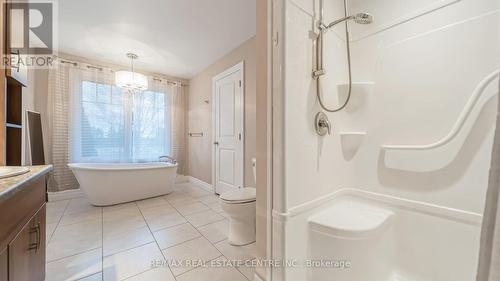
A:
238, 67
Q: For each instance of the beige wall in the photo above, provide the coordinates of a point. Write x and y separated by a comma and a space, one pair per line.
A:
33, 94
200, 112
263, 142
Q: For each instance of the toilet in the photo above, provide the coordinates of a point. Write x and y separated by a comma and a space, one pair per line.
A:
240, 207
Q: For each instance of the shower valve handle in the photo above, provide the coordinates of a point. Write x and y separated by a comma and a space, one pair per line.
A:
322, 124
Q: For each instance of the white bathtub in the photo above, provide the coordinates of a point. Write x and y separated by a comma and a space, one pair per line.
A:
110, 184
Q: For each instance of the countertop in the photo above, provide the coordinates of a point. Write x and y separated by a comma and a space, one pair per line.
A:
9, 186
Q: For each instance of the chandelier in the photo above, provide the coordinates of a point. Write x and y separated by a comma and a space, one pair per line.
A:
131, 80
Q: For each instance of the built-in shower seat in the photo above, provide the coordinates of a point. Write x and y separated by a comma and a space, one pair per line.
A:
352, 240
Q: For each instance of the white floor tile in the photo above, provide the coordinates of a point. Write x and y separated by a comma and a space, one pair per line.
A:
174, 235
160, 274
158, 222
196, 193
120, 211
177, 196
198, 249
87, 228
88, 215
49, 230
151, 202
132, 262
192, 208
183, 202
203, 218
216, 231
158, 210
248, 271
82, 234
212, 198
212, 273
55, 210
79, 205
216, 207
74, 239
61, 204
93, 277
54, 217
75, 267
126, 240
242, 253
68, 246
114, 227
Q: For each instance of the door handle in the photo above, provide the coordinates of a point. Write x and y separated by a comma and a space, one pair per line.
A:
36, 245
216, 143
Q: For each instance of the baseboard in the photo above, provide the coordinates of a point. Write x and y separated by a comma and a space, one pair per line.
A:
181, 179
202, 184
65, 195
256, 277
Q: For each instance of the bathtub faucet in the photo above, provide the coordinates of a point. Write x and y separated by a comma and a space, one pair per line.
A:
167, 159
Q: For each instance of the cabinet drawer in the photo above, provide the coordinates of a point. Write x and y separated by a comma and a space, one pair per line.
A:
27, 250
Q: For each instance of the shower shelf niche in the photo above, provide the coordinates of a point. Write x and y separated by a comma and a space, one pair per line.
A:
351, 141
359, 94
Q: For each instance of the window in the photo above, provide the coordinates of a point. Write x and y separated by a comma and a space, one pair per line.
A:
117, 126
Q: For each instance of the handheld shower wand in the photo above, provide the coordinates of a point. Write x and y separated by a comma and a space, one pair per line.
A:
360, 18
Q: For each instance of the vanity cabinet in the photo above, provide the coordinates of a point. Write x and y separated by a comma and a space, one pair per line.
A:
23, 221
4, 265
27, 250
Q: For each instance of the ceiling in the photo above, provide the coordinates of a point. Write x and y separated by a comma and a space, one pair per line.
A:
173, 37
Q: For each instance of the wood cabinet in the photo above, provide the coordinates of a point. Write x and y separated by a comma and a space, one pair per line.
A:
12, 81
4, 266
18, 73
27, 250
22, 235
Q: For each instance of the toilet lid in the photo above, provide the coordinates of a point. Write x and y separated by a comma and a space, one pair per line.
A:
246, 194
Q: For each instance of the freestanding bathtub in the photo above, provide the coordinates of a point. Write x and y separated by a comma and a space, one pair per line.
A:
110, 184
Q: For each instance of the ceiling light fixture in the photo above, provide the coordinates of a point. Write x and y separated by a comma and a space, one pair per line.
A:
131, 80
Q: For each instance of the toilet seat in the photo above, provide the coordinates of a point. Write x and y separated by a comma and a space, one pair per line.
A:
240, 196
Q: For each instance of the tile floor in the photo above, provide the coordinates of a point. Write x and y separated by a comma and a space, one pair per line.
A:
122, 242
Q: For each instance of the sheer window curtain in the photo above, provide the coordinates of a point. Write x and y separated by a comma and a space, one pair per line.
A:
489, 254
58, 104
91, 120
176, 114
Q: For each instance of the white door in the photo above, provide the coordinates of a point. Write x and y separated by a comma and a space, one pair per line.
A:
228, 112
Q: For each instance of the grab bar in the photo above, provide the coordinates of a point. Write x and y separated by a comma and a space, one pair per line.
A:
196, 134
471, 103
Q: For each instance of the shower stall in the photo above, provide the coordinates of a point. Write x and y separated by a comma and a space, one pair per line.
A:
383, 121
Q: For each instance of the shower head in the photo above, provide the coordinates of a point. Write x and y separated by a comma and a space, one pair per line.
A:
360, 18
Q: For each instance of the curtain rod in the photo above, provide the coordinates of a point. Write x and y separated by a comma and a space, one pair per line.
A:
100, 68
